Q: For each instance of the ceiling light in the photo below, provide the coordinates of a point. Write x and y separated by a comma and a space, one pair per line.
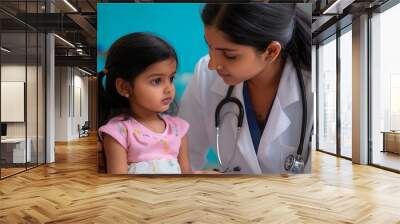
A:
338, 6
70, 5
5, 50
326, 11
86, 72
65, 41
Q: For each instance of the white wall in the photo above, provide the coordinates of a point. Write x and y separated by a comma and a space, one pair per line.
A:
80, 89
12, 73
61, 103
70, 84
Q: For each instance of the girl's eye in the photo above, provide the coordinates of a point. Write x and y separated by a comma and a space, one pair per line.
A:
156, 81
172, 78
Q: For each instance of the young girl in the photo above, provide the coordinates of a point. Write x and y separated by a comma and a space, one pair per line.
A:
137, 87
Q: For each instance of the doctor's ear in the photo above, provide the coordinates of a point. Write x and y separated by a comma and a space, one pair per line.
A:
123, 87
273, 51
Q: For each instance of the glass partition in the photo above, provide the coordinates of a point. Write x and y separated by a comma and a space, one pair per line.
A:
22, 89
14, 152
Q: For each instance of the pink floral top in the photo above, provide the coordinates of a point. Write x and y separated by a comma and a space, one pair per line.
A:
143, 144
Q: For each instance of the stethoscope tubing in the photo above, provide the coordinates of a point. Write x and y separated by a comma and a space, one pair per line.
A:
228, 99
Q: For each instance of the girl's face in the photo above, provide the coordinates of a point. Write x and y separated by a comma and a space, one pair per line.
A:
153, 90
234, 63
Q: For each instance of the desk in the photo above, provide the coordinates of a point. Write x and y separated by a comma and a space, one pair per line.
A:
15, 148
391, 141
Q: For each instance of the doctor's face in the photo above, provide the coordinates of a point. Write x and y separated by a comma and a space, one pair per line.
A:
234, 63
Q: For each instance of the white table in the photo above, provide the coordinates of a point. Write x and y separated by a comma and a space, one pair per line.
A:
18, 149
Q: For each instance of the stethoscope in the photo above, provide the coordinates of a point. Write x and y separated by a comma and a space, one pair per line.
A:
229, 99
293, 163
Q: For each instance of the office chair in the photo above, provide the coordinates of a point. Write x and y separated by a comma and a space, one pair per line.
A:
84, 130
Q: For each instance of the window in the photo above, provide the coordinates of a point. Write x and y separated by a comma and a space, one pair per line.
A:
327, 96
346, 75
385, 88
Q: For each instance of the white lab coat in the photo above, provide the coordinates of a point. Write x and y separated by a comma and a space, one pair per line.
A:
279, 139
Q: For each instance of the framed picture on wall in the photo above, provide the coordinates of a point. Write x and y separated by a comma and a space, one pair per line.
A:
199, 88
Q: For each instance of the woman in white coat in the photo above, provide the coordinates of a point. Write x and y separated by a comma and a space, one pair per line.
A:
259, 49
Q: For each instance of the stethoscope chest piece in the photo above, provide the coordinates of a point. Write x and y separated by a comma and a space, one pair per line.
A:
294, 164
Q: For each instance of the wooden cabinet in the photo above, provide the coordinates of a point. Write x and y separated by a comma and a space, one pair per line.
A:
391, 141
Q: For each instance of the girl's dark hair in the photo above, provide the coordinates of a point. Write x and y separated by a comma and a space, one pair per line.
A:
257, 25
128, 57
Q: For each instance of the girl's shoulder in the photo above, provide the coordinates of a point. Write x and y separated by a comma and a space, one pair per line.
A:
178, 125
118, 128
119, 124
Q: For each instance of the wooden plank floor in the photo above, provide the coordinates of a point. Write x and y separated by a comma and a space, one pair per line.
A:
71, 191
10, 171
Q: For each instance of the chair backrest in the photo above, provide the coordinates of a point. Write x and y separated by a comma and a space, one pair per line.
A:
86, 125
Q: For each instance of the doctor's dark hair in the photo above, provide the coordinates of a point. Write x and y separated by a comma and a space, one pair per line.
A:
127, 58
258, 24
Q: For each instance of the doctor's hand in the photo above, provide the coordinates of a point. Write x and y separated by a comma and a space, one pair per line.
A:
205, 172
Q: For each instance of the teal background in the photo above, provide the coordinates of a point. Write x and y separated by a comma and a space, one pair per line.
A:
178, 23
